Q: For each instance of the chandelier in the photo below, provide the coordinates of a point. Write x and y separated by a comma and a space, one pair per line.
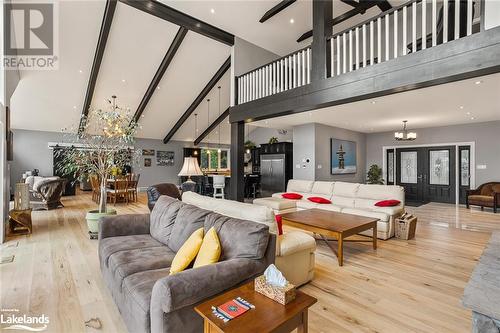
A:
405, 135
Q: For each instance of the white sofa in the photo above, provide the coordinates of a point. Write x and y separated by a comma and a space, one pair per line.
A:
349, 198
294, 250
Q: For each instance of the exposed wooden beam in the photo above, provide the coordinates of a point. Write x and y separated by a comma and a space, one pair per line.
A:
322, 15
107, 19
276, 9
212, 126
213, 81
237, 182
172, 15
383, 5
172, 50
341, 18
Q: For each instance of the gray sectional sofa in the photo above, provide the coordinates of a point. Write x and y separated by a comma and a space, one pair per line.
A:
135, 253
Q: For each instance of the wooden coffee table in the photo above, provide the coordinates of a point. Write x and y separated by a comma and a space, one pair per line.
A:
332, 224
268, 315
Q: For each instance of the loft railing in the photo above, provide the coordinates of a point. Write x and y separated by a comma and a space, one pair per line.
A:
392, 34
398, 32
288, 72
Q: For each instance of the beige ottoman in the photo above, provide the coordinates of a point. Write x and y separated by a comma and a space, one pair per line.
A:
278, 205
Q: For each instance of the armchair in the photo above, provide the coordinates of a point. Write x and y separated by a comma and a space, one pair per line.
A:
46, 192
486, 195
155, 191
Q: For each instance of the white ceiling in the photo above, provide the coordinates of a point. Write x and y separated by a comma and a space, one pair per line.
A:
448, 104
241, 18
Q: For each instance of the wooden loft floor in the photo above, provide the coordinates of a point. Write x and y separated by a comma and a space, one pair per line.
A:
405, 286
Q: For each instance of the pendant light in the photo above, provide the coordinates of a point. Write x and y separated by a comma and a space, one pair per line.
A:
247, 133
405, 135
219, 150
195, 152
208, 125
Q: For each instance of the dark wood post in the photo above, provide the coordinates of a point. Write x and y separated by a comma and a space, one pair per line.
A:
322, 18
237, 160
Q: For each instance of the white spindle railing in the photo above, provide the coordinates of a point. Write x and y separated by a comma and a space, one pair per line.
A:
408, 28
283, 74
398, 32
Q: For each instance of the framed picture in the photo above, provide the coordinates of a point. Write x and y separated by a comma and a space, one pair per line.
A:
147, 162
148, 152
342, 156
164, 158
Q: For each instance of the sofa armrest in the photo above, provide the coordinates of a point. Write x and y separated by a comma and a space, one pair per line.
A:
295, 241
477, 191
123, 225
395, 211
194, 285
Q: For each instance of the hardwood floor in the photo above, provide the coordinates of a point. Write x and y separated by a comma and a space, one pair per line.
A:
404, 286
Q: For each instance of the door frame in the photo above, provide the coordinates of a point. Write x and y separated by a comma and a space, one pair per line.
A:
472, 161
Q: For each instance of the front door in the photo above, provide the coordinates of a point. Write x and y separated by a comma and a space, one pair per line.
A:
427, 173
464, 175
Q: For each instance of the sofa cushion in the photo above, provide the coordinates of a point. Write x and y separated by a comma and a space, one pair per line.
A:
188, 251
342, 201
202, 201
210, 249
368, 213
239, 238
305, 204
387, 203
368, 195
480, 199
125, 263
345, 189
296, 241
319, 200
138, 288
108, 246
322, 188
163, 217
275, 203
189, 218
296, 185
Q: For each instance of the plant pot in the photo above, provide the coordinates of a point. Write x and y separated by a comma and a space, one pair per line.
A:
93, 217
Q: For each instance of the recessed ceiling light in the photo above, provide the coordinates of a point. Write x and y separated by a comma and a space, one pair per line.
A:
80, 71
212, 11
461, 107
198, 25
292, 21
468, 113
478, 82
158, 87
74, 106
373, 102
472, 118
123, 80
142, 116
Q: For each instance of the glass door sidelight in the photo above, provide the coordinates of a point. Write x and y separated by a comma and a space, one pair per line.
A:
427, 173
389, 177
464, 158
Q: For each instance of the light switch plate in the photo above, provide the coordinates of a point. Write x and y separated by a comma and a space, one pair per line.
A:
320, 166
297, 166
481, 166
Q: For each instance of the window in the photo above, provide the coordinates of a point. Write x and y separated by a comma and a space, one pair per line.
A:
212, 160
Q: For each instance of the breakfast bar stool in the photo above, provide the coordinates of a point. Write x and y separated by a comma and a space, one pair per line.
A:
219, 184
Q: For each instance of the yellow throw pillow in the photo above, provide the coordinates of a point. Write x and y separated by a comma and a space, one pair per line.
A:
210, 250
187, 252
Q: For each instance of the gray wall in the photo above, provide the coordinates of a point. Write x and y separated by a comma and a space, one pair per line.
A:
312, 141
31, 151
485, 135
260, 135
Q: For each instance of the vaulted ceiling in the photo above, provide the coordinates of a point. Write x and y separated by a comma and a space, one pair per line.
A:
136, 44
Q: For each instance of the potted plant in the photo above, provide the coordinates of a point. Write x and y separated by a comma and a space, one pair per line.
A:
273, 140
104, 142
374, 175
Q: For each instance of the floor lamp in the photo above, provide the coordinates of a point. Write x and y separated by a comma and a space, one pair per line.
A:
190, 168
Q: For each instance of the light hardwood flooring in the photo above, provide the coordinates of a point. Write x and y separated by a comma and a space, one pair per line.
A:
404, 286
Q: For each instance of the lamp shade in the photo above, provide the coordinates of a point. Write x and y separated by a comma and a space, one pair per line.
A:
190, 167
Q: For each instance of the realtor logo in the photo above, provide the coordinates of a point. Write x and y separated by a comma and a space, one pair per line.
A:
30, 36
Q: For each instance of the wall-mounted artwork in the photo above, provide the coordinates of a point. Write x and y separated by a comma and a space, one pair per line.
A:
148, 152
147, 162
164, 158
342, 156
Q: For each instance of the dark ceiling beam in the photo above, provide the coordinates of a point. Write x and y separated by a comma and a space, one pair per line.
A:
107, 19
174, 16
384, 5
361, 8
276, 9
212, 126
169, 56
213, 81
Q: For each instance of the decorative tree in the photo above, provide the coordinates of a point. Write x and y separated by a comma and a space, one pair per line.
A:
374, 175
105, 141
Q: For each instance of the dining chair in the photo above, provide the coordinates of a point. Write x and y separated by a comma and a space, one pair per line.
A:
94, 183
120, 190
219, 184
132, 186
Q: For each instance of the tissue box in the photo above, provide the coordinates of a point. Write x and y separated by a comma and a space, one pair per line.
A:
282, 295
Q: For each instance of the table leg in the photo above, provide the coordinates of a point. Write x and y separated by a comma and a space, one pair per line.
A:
340, 251
375, 237
303, 327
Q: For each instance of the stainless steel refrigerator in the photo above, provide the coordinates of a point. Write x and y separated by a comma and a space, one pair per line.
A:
272, 174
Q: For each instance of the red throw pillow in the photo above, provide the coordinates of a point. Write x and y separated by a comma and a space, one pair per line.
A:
319, 200
387, 203
294, 196
279, 222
